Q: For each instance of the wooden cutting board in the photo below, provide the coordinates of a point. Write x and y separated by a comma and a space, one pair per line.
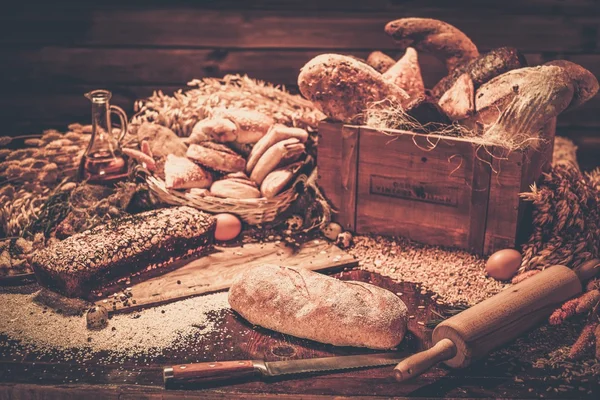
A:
216, 271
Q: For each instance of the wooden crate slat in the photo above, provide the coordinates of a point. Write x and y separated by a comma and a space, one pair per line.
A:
503, 209
409, 189
432, 189
348, 176
480, 193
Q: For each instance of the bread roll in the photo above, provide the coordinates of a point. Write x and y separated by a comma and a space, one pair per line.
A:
182, 173
343, 87
216, 157
280, 153
459, 101
234, 189
277, 179
309, 305
586, 84
406, 74
381, 62
437, 37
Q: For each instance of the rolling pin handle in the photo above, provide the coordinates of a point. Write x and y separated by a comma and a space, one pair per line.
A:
418, 363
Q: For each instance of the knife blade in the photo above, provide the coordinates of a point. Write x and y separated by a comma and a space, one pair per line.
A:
222, 370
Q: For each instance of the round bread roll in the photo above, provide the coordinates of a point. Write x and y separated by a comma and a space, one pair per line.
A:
309, 305
251, 124
216, 156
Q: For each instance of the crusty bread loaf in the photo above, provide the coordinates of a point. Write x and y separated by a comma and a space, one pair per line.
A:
381, 62
89, 259
343, 87
437, 37
406, 74
482, 68
309, 305
521, 101
586, 84
459, 101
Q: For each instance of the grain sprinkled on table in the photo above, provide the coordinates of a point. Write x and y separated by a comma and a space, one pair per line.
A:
456, 276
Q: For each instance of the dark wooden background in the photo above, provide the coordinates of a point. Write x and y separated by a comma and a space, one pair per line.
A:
53, 53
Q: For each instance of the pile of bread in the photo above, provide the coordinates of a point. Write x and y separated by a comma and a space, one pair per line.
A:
487, 93
236, 153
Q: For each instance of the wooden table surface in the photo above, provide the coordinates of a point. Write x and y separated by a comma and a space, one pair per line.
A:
28, 375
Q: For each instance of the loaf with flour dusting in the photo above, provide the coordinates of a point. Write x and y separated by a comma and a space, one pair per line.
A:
310, 305
343, 87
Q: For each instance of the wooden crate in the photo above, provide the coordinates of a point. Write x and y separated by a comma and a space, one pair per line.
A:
433, 189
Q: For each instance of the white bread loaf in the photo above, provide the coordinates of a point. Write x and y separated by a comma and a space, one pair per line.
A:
310, 305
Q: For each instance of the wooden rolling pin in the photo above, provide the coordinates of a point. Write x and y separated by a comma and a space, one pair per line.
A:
488, 325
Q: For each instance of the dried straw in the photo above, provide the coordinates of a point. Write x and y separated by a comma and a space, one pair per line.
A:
566, 214
386, 114
181, 111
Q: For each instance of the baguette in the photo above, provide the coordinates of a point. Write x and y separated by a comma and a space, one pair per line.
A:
406, 74
342, 87
234, 189
482, 69
309, 305
381, 62
277, 179
276, 134
280, 151
443, 40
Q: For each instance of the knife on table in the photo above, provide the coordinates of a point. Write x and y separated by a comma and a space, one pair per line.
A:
219, 371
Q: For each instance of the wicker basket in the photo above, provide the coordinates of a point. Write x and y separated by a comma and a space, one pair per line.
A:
251, 211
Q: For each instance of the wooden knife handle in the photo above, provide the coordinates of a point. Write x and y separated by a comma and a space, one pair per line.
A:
416, 364
209, 372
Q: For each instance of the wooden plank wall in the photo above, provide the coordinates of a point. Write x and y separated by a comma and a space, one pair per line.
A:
53, 53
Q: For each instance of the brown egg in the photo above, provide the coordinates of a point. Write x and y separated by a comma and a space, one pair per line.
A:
228, 227
503, 264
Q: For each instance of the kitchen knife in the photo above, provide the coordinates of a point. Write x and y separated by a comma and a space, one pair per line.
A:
223, 370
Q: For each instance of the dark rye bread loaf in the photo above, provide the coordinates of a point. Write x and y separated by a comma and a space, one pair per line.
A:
89, 259
310, 305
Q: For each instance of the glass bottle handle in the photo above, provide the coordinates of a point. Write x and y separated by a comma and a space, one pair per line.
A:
123, 117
